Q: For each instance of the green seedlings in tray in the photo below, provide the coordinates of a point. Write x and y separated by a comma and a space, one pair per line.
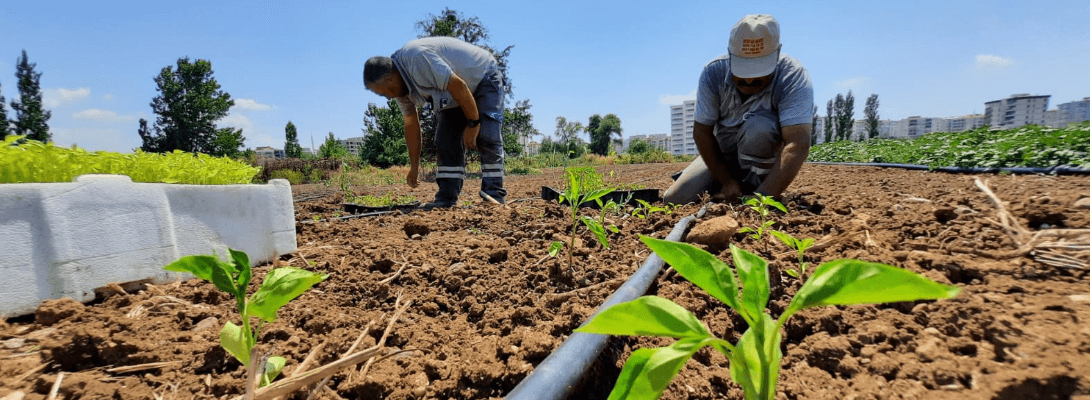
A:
755, 359
280, 286
800, 246
761, 203
386, 200
576, 195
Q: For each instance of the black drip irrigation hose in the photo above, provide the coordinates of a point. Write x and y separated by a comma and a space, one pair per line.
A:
559, 373
1058, 170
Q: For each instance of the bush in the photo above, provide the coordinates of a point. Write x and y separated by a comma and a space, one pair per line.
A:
293, 177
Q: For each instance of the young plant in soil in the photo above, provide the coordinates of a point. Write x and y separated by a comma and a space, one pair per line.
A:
800, 246
645, 209
280, 286
576, 195
755, 359
761, 203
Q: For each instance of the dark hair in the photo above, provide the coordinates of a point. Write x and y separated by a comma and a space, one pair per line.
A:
376, 68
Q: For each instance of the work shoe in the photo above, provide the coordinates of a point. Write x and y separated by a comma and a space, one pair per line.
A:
436, 204
490, 199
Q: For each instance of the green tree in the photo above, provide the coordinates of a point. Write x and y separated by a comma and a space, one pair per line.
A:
30, 117
845, 112
639, 146
5, 128
384, 136
830, 123
151, 143
332, 149
187, 107
292, 148
228, 142
517, 125
870, 112
813, 126
602, 130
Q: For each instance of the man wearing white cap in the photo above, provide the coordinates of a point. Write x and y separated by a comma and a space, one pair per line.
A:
754, 111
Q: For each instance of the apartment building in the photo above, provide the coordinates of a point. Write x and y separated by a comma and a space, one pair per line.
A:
353, 145
682, 118
859, 129
1015, 111
531, 148
267, 151
1073, 112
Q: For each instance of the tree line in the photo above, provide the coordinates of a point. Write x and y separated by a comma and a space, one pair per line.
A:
839, 119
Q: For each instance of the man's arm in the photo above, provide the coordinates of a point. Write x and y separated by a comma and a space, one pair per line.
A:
412, 140
461, 93
796, 139
708, 146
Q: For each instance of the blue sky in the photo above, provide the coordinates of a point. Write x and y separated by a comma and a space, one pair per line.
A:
302, 61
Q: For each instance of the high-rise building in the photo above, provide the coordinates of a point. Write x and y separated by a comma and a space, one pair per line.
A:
659, 140
682, 118
1073, 112
353, 145
1015, 111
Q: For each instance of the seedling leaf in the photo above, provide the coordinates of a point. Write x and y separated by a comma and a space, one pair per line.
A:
199, 266
646, 316
273, 366
279, 287
753, 272
598, 230
633, 374
554, 248
233, 339
699, 267
845, 281
754, 357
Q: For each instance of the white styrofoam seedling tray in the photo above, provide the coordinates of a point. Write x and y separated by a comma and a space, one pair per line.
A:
67, 239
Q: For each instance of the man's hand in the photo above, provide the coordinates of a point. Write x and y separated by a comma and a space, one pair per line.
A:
731, 191
469, 137
411, 178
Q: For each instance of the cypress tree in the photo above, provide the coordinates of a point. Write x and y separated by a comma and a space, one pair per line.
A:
30, 117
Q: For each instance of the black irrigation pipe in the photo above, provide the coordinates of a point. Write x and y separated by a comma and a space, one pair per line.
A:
1059, 170
559, 373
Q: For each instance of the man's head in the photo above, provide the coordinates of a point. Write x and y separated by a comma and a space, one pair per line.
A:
754, 52
381, 76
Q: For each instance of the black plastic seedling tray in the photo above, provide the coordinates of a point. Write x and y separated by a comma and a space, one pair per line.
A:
353, 208
618, 196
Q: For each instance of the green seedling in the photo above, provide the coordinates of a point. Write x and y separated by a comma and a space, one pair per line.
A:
280, 286
755, 359
800, 246
610, 207
316, 218
576, 196
761, 203
645, 209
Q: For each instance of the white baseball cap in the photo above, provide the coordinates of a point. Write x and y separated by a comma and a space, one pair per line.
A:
754, 46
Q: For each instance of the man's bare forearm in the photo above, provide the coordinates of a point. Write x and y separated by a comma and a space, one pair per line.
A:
412, 138
795, 150
463, 96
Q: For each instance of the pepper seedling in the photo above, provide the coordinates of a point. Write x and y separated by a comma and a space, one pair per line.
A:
761, 203
280, 286
576, 195
755, 359
800, 246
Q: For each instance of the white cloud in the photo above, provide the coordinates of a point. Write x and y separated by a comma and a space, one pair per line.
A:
107, 97
237, 121
249, 104
55, 97
854, 83
675, 99
101, 115
992, 62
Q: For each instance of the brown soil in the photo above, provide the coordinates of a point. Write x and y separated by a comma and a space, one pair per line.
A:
488, 304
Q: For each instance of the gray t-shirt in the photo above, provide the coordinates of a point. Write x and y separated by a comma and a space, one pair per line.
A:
427, 63
718, 103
